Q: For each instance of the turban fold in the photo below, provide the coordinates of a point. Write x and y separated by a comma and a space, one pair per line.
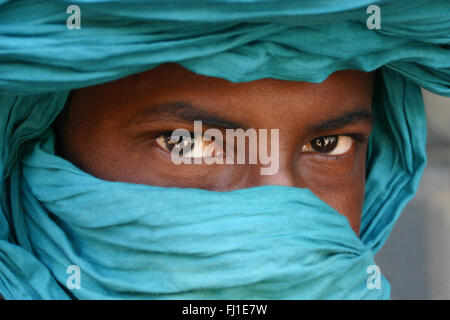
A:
136, 241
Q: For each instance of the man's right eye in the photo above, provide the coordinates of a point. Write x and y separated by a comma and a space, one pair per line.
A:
197, 147
166, 142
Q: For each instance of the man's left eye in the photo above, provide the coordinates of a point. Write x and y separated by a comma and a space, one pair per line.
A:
332, 145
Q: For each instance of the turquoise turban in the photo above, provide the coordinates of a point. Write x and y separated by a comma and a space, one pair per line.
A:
139, 241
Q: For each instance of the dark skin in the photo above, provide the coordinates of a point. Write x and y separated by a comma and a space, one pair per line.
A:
114, 131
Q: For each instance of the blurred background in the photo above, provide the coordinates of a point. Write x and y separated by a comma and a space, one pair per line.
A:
416, 257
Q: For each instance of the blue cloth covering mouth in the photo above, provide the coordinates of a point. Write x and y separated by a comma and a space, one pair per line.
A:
136, 241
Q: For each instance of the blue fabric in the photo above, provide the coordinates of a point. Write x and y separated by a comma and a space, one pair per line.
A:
137, 241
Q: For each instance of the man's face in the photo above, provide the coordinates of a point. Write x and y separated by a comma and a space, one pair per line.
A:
120, 131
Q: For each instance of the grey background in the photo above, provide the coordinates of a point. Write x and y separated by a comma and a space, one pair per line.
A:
416, 257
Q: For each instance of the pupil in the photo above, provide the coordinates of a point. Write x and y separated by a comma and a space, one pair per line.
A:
182, 142
324, 144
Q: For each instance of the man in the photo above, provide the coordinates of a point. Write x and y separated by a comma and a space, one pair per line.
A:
93, 205
112, 131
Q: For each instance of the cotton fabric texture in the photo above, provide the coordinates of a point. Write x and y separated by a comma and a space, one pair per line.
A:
137, 241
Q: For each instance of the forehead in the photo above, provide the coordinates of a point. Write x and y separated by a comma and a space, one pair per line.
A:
256, 102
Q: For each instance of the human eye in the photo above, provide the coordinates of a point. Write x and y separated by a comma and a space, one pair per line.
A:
331, 145
197, 146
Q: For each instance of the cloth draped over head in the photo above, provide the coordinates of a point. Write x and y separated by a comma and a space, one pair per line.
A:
139, 241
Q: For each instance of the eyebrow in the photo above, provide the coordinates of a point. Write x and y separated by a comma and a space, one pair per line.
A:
188, 112
353, 116
185, 111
